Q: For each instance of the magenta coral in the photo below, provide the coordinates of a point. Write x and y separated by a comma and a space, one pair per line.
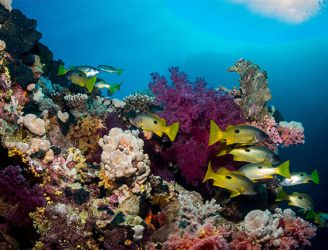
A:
193, 106
16, 193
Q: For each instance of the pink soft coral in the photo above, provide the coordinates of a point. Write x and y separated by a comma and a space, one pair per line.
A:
193, 105
280, 134
291, 133
207, 238
297, 233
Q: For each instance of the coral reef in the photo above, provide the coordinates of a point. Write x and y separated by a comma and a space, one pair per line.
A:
74, 174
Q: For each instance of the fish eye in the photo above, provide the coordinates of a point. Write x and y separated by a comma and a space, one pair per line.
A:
259, 167
247, 150
301, 174
155, 121
80, 75
237, 131
300, 197
228, 177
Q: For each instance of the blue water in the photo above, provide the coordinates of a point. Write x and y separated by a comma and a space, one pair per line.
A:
203, 38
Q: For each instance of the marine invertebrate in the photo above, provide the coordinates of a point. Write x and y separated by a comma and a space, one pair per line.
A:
281, 230
18, 197
138, 102
85, 135
123, 158
178, 102
208, 237
34, 124
280, 134
291, 133
255, 92
76, 101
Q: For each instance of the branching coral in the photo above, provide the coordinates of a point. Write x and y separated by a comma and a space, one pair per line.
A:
138, 102
193, 105
123, 158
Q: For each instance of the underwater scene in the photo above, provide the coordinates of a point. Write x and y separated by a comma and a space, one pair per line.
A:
163, 124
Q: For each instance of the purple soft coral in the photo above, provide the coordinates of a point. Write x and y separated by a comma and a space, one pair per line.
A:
193, 105
16, 194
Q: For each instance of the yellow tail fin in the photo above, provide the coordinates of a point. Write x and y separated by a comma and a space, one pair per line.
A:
90, 83
315, 177
209, 173
281, 196
216, 133
61, 70
172, 131
283, 169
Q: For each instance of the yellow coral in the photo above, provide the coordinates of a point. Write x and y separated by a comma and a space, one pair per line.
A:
105, 182
38, 246
15, 152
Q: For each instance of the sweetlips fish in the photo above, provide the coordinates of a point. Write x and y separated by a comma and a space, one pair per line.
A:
300, 178
88, 70
79, 78
153, 123
296, 199
234, 181
265, 170
252, 154
236, 134
109, 69
321, 219
102, 84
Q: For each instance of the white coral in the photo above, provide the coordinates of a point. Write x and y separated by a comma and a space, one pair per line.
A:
123, 157
34, 124
264, 225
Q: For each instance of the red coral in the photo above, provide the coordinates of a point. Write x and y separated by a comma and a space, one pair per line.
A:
193, 106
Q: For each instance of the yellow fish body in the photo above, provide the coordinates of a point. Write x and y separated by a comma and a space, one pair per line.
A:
296, 199
79, 78
154, 123
252, 154
234, 181
259, 171
301, 178
238, 134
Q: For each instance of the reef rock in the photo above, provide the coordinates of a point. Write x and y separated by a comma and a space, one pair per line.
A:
255, 92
